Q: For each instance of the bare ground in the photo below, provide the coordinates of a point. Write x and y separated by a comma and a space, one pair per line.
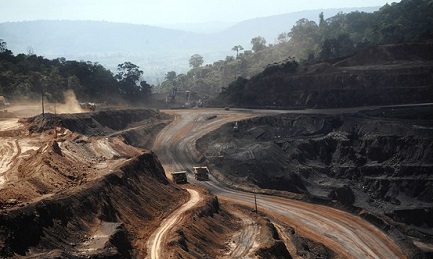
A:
75, 187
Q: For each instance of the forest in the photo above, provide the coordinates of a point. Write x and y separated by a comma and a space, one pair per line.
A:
24, 77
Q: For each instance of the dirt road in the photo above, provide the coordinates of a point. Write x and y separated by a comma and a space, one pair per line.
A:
156, 240
346, 234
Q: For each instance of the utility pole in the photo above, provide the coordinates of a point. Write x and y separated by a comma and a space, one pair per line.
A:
255, 202
42, 100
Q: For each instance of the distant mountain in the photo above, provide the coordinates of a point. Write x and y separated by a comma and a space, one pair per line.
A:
156, 50
270, 27
206, 27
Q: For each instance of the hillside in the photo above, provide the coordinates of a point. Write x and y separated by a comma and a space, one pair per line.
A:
155, 49
270, 27
63, 193
378, 75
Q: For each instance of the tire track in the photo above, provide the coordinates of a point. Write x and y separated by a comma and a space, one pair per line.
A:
9, 151
344, 233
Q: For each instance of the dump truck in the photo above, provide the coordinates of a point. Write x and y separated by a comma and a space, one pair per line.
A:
201, 173
179, 177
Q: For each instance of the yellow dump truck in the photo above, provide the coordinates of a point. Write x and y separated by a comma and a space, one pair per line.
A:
201, 173
179, 177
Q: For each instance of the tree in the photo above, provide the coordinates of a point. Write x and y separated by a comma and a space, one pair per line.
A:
5, 54
195, 61
146, 90
336, 48
129, 81
170, 76
128, 72
3, 46
259, 43
304, 32
322, 22
283, 37
237, 49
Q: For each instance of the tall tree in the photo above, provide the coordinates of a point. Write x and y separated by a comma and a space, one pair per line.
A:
195, 61
170, 76
128, 71
128, 77
237, 49
3, 46
259, 43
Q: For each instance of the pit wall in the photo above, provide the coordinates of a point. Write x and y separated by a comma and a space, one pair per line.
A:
119, 205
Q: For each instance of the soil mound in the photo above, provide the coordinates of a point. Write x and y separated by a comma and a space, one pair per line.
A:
97, 123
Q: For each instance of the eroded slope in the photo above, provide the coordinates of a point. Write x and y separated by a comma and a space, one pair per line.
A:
73, 187
378, 160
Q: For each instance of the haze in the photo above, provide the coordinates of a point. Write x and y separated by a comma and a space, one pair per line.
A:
163, 12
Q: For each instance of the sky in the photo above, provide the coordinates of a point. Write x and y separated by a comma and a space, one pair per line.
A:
157, 12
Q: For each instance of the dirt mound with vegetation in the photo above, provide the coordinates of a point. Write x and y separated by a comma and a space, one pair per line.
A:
380, 160
379, 75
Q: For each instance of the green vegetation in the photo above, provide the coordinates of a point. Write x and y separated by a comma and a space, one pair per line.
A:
23, 77
307, 41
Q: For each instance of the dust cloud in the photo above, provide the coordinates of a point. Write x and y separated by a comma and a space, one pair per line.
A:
71, 104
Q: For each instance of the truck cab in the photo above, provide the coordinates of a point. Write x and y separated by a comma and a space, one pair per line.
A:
179, 177
201, 173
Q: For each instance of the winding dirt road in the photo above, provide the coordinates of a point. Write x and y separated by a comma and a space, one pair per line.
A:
346, 234
155, 241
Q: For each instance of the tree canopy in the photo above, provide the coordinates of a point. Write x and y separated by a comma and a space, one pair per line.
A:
195, 61
131, 86
259, 43
23, 76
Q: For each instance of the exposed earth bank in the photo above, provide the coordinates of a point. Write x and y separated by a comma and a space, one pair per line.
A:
77, 186
72, 186
378, 160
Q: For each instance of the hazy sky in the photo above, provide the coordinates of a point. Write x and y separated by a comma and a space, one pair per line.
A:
155, 12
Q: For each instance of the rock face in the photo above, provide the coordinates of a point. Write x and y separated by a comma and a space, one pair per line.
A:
380, 160
379, 75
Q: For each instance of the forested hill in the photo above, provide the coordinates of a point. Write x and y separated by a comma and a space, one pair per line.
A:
270, 27
308, 46
392, 63
378, 75
156, 50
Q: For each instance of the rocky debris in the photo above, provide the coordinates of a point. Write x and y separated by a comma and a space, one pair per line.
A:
380, 160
